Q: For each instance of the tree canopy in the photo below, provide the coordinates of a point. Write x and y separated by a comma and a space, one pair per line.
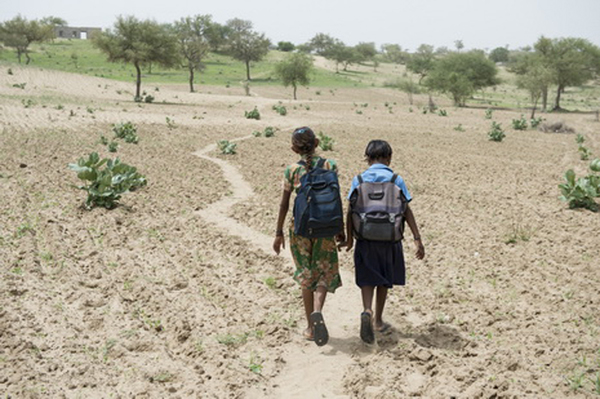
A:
20, 32
139, 43
295, 70
421, 61
193, 42
461, 74
245, 44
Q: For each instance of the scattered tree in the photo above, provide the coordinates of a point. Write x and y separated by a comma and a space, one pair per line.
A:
322, 43
286, 46
365, 51
499, 54
393, 53
421, 61
245, 44
193, 42
461, 74
19, 33
139, 43
295, 70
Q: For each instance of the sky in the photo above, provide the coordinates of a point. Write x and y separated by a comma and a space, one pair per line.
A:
477, 23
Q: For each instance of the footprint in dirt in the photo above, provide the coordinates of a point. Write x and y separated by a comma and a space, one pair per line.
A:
432, 335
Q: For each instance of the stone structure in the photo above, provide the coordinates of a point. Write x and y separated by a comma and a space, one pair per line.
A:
69, 32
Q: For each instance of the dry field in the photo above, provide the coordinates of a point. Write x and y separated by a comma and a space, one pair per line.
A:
175, 293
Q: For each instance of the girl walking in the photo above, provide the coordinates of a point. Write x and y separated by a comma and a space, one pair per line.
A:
379, 265
316, 259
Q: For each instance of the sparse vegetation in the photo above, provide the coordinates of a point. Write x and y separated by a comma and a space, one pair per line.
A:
226, 147
581, 192
325, 142
280, 109
126, 131
253, 114
496, 133
519, 124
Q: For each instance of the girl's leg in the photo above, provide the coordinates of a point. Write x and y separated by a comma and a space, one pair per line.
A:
319, 298
381, 297
367, 298
307, 298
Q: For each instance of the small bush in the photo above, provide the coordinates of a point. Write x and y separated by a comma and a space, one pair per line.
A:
459, 128
580, 193
520, 124
138, 99
20, 85
103, 140
126, 131
112, 147
254, 114
10, 72
280, 109
488, 113
535, 122
226, 147
170, 123
442, 112
149, 99
269, 131
496, 133
106, 186
28, 103
257, 133
579, 139
325, 142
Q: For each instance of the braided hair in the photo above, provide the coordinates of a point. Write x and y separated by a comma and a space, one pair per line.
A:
304, 140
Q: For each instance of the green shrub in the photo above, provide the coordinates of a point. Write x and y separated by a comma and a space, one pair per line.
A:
149, 99
488, 113
138, 99
325, 142
226, 147
584, 153
254, 114
280, 109
580, 193
126, 131
535, 122
442, 112
112, 147
269, 131
520, 124
579, 139
496, 133
170, 123
19, 85
103, 140
257, 133
459, 128
106, 186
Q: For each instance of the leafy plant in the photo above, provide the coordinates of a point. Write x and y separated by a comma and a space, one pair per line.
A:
10, 71
520, 124
535, 122
488, 113
226, 147
579, 139
459, 128
580, 193
106, 186
103, 140
442, 112
584, 153
280, 109
496, 133
269, 131
170, 123
126, 131
149, 99
112, 147
257, 133
28, 103
254, 114
19, 85
325, 142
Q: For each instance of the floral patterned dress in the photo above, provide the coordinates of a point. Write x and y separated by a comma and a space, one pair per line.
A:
316, 259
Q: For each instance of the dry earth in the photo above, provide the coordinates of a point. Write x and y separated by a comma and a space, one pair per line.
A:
175, 293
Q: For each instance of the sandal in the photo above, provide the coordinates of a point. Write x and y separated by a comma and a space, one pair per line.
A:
321, 335
366, 328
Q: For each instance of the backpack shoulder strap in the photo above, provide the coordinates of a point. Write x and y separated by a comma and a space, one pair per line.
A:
394, 177
301, 163
321, 163
360, 179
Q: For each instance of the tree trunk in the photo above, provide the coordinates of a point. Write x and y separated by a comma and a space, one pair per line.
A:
138, 79
191, 79
535, 101
248, 70
150, 69
545, 99
295, 91
558, 91
19, 55
28, 58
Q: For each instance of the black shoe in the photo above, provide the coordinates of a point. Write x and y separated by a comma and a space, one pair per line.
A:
366, 328
319, 328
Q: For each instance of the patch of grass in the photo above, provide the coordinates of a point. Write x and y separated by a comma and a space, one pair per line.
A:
232, 339
253, 114
271, 282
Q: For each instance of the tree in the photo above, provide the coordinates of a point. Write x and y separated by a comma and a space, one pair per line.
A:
286, 46
139, 43
499, 54
365, 51
341, 54
393, 53
461, 74
410, 88
295, 70
459, 45
193, 42
322, 43
535, 80
574, 61
19, 33
421, 61
245, 44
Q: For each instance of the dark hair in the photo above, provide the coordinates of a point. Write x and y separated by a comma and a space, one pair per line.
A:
378, 150
304, 140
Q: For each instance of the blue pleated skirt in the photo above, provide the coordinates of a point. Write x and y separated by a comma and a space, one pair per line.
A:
379, 263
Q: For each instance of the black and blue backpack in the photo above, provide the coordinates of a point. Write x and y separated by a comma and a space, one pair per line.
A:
318, 206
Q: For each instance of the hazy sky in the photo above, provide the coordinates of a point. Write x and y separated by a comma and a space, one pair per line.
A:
478, 23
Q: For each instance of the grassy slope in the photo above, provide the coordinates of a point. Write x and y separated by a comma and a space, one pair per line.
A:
79, 56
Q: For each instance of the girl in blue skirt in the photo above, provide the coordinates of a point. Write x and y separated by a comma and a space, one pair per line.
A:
379, 264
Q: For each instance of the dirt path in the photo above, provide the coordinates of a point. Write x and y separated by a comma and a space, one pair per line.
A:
307, 370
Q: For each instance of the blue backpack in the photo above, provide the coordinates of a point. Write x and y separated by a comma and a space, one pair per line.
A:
318, 206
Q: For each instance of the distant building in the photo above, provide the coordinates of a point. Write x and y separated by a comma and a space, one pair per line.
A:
70, 32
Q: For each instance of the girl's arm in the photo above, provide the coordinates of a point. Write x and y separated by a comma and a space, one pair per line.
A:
349, 235
283, 209
410, 219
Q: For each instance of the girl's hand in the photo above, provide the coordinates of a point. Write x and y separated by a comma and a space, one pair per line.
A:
420, 253
278, 243
348, 244
341, 238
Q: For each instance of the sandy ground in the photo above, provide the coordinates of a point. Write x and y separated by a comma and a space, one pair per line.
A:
176, 293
